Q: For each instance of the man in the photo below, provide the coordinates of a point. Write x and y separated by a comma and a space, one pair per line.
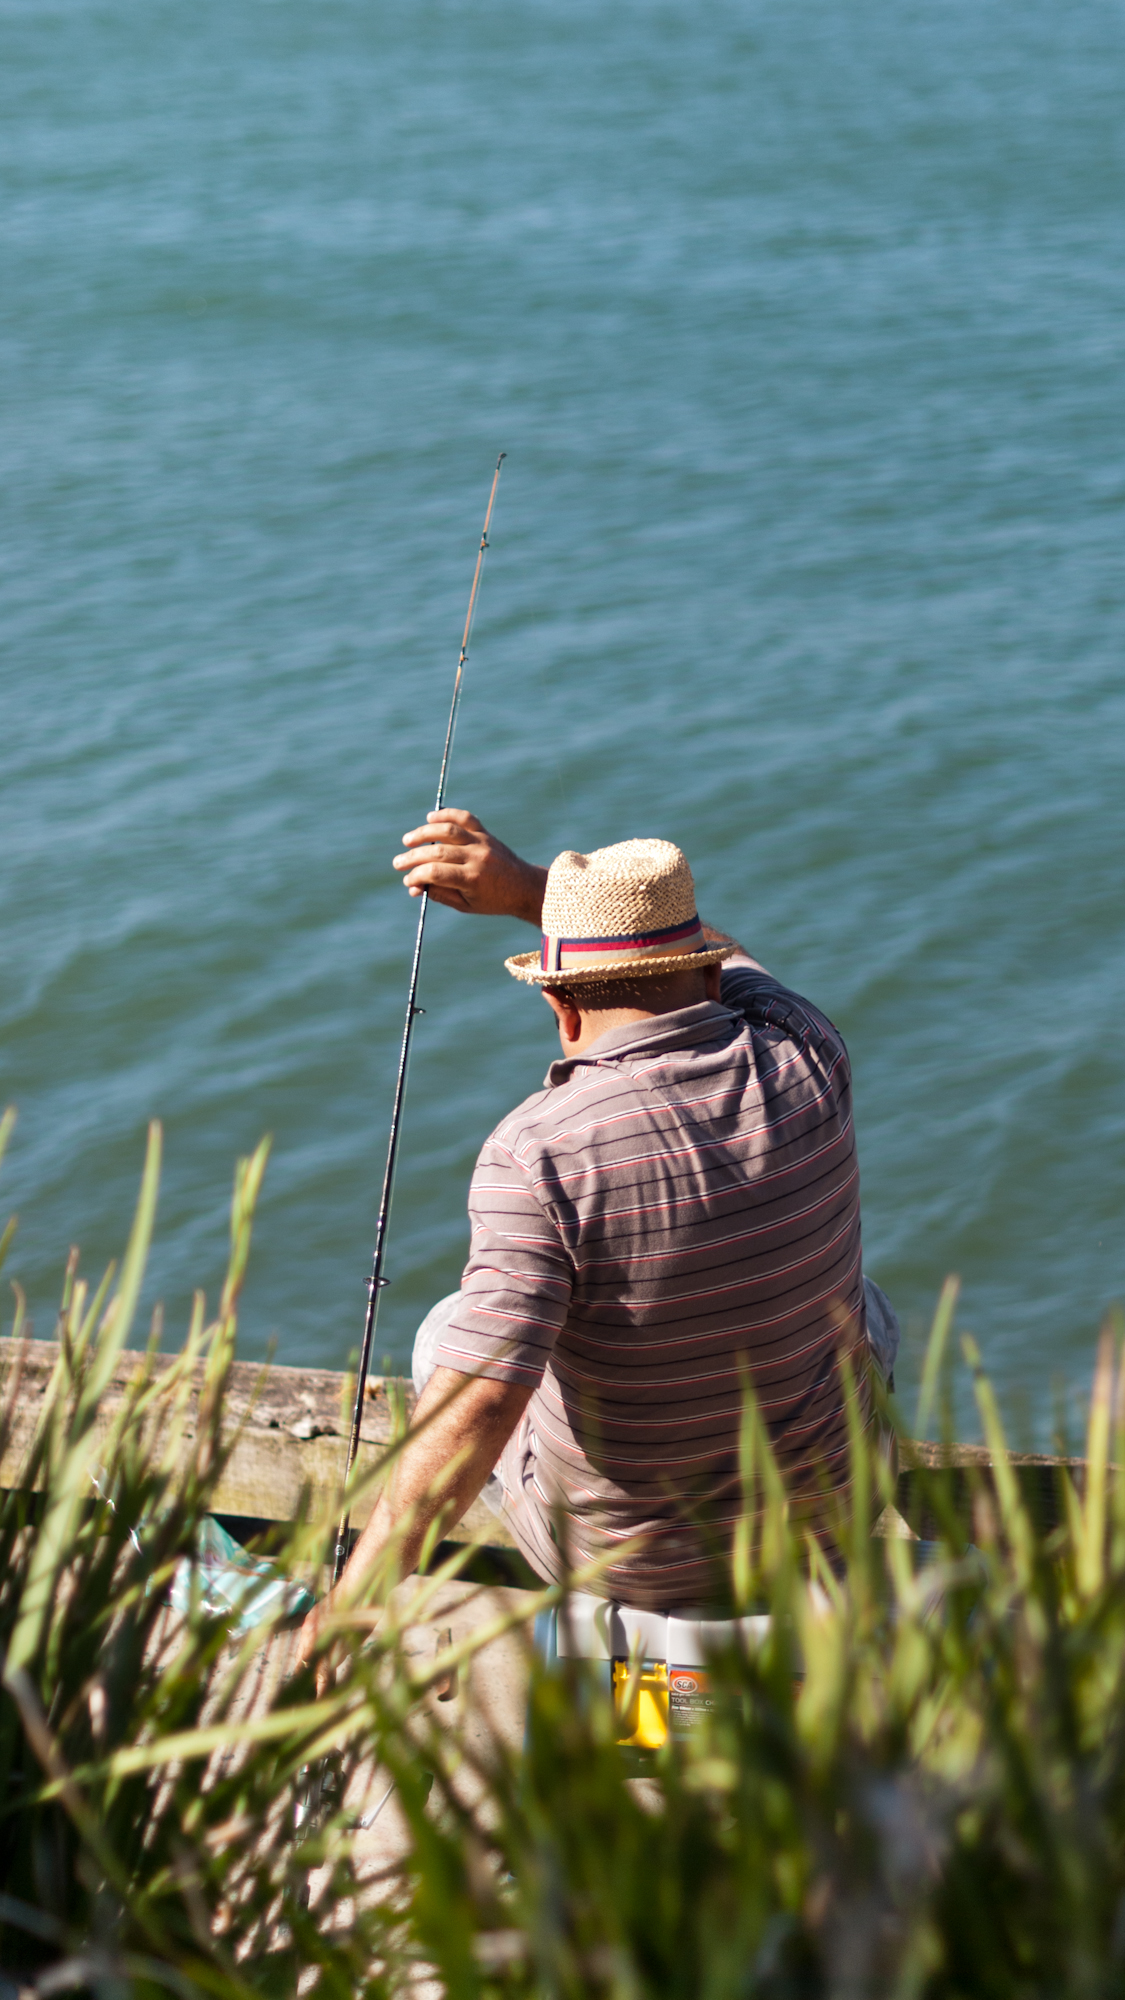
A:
673, 1217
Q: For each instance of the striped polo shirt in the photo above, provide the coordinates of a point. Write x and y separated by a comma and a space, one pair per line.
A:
676, 1209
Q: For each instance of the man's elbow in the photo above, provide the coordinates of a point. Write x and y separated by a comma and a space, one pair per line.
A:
475, 1402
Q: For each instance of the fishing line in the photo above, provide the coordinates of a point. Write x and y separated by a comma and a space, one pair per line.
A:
377, 1280
311, 1790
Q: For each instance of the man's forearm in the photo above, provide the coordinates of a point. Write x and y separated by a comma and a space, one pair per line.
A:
713, 936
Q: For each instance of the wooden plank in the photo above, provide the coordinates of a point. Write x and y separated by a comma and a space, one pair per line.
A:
1038, 1475
292, 1426
924, 1452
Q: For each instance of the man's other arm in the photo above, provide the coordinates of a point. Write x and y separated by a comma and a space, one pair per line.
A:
460, 1427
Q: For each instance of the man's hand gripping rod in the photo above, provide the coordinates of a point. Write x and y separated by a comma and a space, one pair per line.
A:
377, 1280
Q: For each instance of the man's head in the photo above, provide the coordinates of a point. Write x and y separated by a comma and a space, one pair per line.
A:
622, 940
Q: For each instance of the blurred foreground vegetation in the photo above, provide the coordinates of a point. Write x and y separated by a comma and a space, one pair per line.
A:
915, 1787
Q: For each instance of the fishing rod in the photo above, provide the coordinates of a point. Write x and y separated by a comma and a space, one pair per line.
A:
377, 1281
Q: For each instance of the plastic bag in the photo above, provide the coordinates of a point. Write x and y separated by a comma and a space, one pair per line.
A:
228, 1583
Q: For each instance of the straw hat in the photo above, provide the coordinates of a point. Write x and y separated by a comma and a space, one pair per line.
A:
628, 909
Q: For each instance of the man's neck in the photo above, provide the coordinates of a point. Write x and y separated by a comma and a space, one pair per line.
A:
599, 1022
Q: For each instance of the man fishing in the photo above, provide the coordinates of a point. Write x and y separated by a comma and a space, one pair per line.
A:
673, 1218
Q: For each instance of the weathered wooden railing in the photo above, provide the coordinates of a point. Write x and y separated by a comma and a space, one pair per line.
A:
290, 1429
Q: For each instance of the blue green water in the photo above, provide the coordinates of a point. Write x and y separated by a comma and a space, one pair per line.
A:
802, 327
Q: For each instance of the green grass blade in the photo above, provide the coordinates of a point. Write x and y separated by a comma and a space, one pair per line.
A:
935, 1354
1090, 1548
1013, 1514
118, 1320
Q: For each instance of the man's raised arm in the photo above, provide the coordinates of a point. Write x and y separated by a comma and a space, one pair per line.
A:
467, 868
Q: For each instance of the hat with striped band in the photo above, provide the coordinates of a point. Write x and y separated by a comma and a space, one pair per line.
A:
628, 909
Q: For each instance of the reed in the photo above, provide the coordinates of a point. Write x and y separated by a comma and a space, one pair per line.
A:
914, 1787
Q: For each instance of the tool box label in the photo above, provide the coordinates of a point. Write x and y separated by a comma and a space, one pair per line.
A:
689, 1696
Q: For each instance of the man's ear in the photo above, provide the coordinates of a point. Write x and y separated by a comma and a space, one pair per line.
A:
568, 1018
713, 981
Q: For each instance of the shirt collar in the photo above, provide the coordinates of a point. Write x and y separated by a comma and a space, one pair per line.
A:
704, 1022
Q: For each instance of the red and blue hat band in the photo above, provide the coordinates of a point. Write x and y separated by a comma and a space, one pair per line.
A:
586, 954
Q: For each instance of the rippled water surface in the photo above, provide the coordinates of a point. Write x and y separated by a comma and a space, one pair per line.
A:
802, 327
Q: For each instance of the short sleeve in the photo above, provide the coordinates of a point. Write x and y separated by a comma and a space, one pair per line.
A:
516, 1287
764, 1002
745, 985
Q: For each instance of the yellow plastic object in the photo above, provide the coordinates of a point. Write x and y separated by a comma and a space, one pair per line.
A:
641, 1701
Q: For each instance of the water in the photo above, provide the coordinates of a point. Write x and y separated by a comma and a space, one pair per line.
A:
801, 327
